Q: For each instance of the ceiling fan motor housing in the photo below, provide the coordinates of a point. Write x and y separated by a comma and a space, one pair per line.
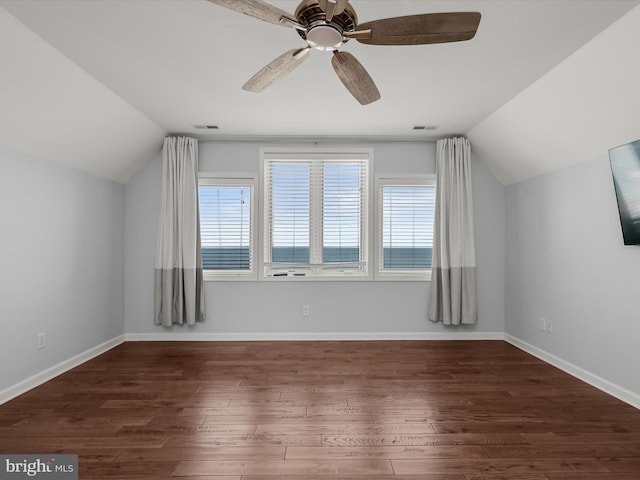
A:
322, 34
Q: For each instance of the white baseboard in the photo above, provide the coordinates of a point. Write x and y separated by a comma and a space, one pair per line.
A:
596, 381
322, 336
592, 379
62, 367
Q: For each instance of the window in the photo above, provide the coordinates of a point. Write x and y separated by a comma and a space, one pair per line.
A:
315, 214
405, 227
227, 227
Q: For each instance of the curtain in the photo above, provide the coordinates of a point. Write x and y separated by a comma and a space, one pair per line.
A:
178, 266
453, 278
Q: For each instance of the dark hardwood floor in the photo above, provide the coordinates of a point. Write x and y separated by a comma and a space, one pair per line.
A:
326, 410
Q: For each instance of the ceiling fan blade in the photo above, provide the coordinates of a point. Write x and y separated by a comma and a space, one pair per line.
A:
422, 29
332, 7
355, 77
260, 10
277, 69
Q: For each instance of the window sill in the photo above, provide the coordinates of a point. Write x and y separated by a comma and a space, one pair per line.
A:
402, 277
229, 277
386, 277
317, 278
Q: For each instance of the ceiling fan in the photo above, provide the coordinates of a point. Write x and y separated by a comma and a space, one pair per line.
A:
329, 24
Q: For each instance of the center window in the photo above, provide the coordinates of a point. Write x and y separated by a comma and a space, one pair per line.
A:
315, 214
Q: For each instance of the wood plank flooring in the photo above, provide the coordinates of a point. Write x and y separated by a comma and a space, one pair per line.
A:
326, 410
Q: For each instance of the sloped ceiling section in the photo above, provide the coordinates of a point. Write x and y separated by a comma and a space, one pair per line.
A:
576, 112
55, 111
97, 84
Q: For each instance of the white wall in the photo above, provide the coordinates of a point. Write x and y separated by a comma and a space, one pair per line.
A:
566, 262
274, 309
62, 264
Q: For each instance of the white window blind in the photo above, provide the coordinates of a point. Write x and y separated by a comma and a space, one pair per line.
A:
342, 207
290, 212
226, 225
406, 226
315, 215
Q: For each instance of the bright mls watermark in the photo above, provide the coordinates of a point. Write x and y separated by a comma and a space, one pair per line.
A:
51, 467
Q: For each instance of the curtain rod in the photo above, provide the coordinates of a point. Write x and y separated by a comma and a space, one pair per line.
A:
306, 139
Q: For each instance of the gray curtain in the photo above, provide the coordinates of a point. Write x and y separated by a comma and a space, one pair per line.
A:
178, 267
453, 282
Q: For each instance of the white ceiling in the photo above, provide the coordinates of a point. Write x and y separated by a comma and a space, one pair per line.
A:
96, 84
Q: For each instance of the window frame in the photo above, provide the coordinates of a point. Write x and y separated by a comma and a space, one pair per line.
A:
366, 274
239, 179
406, 274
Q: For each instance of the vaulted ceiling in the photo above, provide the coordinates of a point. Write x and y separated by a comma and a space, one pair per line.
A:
97, 84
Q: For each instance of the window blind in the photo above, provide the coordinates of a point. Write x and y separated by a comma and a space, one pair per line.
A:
290, 189
342, 215
315, 215
407, 226
225, 227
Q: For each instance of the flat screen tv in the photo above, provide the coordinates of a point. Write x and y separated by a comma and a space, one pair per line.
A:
625, 166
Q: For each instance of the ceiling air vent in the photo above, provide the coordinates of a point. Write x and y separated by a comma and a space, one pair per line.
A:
425, 127
206, 127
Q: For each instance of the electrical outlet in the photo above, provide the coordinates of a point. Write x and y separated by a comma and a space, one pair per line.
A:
305, 310
542, 324
42, 340
549, 326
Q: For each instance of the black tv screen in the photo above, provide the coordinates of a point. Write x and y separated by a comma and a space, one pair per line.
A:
625, 166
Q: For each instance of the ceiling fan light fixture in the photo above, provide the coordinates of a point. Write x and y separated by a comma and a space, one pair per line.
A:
325, 37
329, 24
